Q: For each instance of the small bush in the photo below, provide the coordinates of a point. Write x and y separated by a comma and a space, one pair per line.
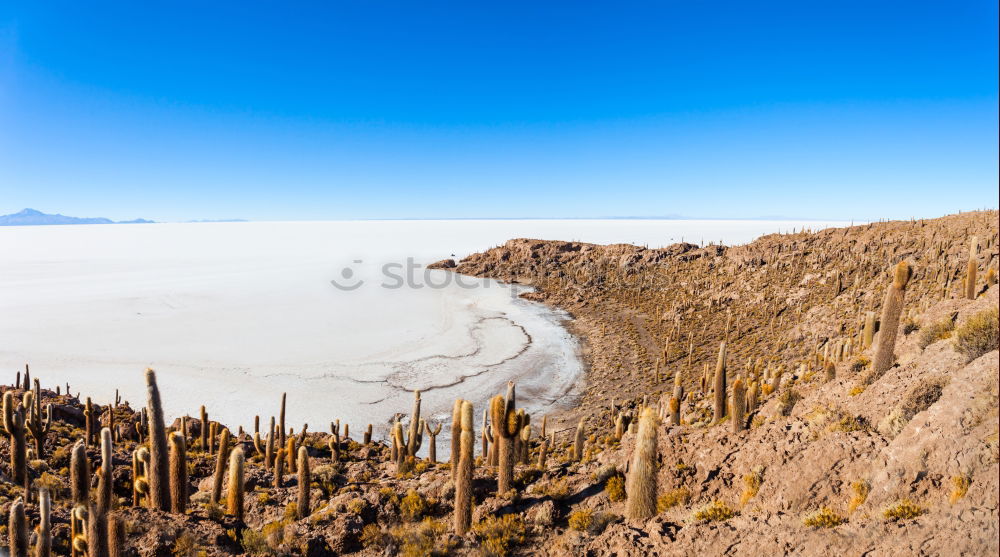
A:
978, 335
787, 401
372, 537
423, 539
856, 390
751, 485
824, 518
935, 332
860, 363
581, 520
615, 486
499, 535
672, 498
910, 326
413, 506
715, 511
860, 488
556, 489
959, 487
904, 510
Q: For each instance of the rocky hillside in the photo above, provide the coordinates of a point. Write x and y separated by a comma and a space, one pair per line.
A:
778, 415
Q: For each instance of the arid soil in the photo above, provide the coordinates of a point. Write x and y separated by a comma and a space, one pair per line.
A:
832, 458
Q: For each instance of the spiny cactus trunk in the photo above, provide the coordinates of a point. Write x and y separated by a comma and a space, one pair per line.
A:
17, 530
675, 411
43, 544
413, 441
116, 536
506, 423
641, 483
220, 466
79, 474
456, 430
281, 421
234, 495
720, 385
106, 479
579, 441
279, 469
13, 422
97, 533
463, 476
305, 481
868, 333
203, 430
892, 308
971, 269
739, 405
159, 485
178, 473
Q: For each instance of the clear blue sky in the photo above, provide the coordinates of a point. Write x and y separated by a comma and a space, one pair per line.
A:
367, 109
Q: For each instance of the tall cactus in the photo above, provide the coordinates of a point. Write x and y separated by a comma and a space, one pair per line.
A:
432, 434
105, 479
38, 426
305, 480
116, 535
79, 474
203, 430
971, 270
415, 433
739, 404
97, 533
159, 485
17, 530
641, 482
506, 424
43, 544
13, 422
456, 430
220, 466
579, 440
868, 332
234, 497
463, 476
892, 307
720, 385
178, 473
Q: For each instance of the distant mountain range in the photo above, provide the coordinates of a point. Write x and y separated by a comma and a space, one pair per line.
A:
31, 217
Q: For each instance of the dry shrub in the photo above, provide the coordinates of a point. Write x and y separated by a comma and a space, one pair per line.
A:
715, 511
959, 487
978, 335
673, 498
861, 489
904, 510
824, 518
615, 487
935, 332
498, 536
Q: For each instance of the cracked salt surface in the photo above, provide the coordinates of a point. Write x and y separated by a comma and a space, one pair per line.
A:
232, 314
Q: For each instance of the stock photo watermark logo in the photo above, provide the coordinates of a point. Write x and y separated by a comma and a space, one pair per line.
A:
408, 274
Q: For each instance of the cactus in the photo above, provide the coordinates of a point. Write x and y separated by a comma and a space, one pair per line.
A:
335, 441
116, 536
641, 481
579, 440
279, 469
97, 533
43, 544
13, 422
281, 421
543, 452
739, 405
868, 332
675, 411
485, 434
37, 426
525, 443
17, 530
159, 485
368, 435
753, 396
892, 307
140, 481
432, 434
79, 474
506, 424
463, 476
77, 529
290, 453
415, 433
970, 274
178, 473
203, 430
720, 384
106, 476
220, 466
234, 495
305, 481
830, 372
456, 429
